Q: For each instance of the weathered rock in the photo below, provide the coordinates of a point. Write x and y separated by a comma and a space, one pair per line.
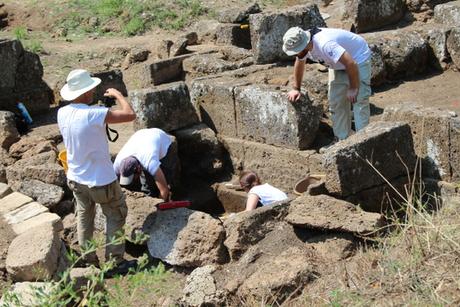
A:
269, 161
46, 194
163, 50
387, 146
200, 288
33, 256
437, 41
13, 201
334, 247
206, 29
8, 132
31, 145
233, 34
238, 14
5, 160
81, 277
200, 152
453, 46
24, 213
267, 30
162, 71
368, 15
327, 213
21, 79
448, 13
135, 55
187, 238
167, 107
44, 218
232, 200
51, 173
378, 71
5, 190
26, 293
434, 138
141, 214
109, 79
247, 228
404, 53
418, 6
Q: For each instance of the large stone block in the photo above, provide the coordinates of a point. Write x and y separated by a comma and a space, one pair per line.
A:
163, 71
30, 146
437, 41
368, 15
268, 28
387, 146
327, 213
48, 195
13, 201
24, 213
8, 132
419, 6
238, 14
435, 140
167, 107
44, 218
233, 34
448, 13
281, 167
34, 255
453, 46
200, 152
404, 52
231, 199
51, 173
187, 238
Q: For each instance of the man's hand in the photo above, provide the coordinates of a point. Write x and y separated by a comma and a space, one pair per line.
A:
352, 94
293, 95
111, 92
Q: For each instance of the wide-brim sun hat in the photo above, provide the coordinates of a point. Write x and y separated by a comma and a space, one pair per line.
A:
79, 81
295, 40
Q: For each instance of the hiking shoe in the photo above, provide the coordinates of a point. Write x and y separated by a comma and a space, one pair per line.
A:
121, 268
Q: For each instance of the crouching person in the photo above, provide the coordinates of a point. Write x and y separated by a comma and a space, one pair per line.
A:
90, 172
259, 194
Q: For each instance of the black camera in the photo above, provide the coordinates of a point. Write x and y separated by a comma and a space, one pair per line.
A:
109, 101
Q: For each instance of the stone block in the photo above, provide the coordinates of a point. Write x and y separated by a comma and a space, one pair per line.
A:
232, 200
13, 201
201, 290
238, 14
109, 79
437, 42
8, 132
448, 13
368, 15
281, 167
268, 28
387, 146
326, 213
48, 195
200, 152
44, 218
167, 107
34, 255
51, 173
453, 46
4, 190
163, 71
233, 34
187, 238
435, 140
30, 146
24, 213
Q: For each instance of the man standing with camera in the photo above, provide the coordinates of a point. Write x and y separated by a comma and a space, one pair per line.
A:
90, 173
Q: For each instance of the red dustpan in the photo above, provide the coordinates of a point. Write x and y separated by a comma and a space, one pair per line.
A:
174, 204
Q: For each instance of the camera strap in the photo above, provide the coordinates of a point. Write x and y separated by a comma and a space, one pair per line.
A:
108, 130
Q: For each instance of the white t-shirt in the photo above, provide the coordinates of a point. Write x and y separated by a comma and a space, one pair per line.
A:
330, 44
148, 146
83, 130
267, 194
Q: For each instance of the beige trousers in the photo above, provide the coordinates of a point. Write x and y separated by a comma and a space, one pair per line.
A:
339, 105
113, 205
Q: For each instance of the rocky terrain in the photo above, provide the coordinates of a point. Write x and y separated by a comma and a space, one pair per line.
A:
219, 86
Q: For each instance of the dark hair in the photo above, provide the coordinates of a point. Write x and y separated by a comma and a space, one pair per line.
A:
249, 179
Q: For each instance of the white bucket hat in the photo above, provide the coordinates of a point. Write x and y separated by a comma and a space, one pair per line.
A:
79, 82
295, 40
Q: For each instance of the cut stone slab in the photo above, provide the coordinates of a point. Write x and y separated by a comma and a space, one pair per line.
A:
13, 201
247, 228
368, 15
48, 195
434, 140
187, 238
231, 199
268, 28
25, 212
26, 293
34, 255
269, 161
167, 107
327, 213
38, 220
388, 146
453, 46
164, 71
4, 190
448, 13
